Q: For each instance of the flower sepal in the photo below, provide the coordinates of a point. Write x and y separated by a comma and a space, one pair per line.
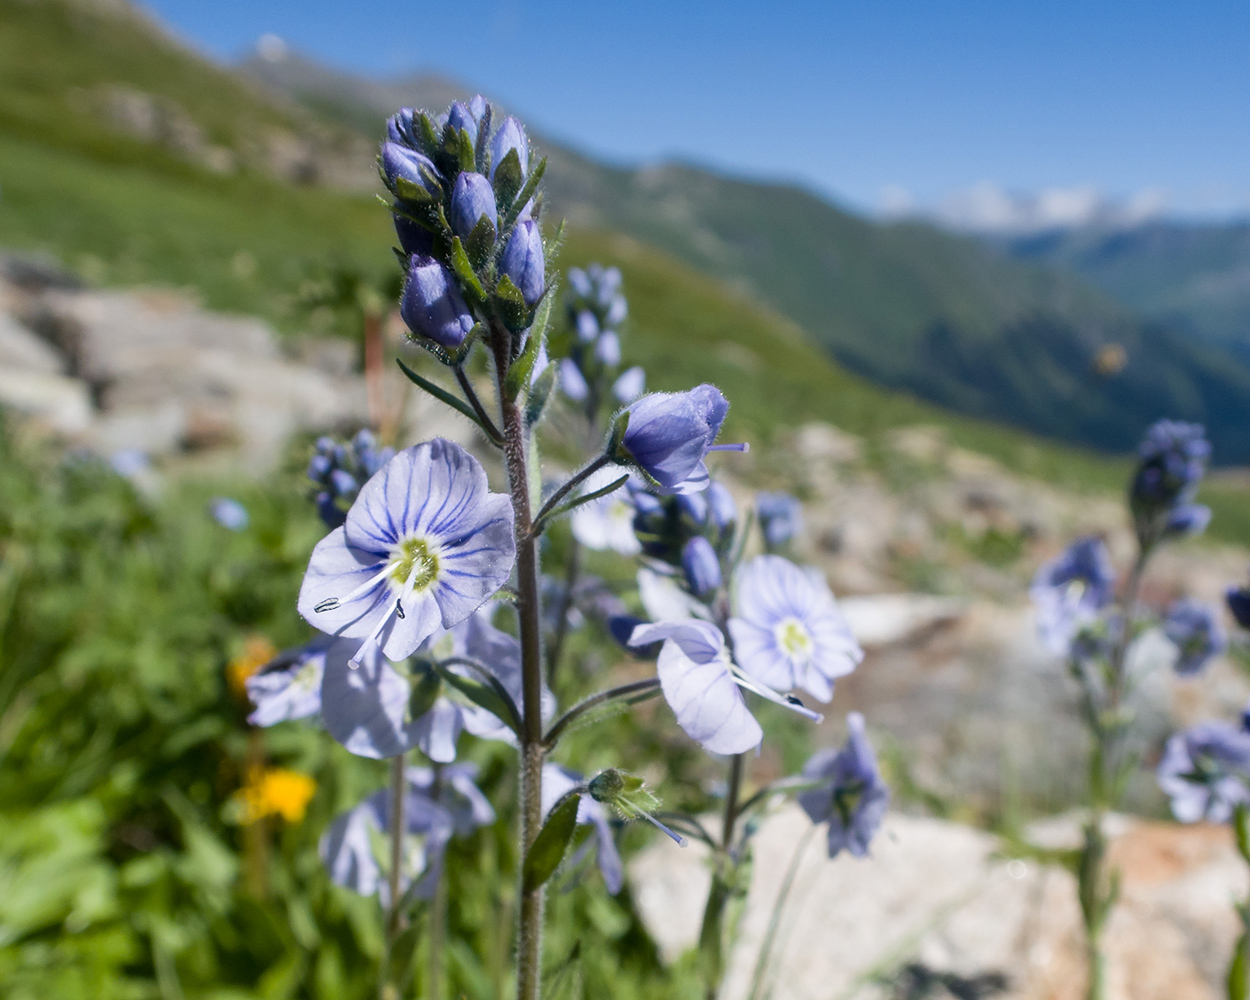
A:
511, 305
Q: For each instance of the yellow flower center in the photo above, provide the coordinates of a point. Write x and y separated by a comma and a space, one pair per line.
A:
414, 565
794, 638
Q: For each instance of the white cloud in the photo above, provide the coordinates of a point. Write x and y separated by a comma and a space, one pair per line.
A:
987, 207
271, 48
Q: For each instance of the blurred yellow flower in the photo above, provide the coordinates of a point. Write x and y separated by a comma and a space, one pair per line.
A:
275, 791
257, 651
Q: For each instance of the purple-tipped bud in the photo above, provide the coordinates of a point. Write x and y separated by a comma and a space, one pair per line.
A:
413, 239
608, 349
432, 305
510, 135
400, 161
523, 260
399, 126
701, 566
471, 198
460, 117
669, 434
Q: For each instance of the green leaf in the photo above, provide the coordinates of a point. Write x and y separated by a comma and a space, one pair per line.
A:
481, 241
525, 194
547, 851
443, 396
1241, 827
508, 177
540, 392
464, 151
542, 312
1239, 971
412, 191
576, 502
426, 137
425, 691
464, 270
487, 691
511, 304
518, 376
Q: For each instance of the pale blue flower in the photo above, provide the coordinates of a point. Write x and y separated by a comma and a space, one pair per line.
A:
356, 848
606, 523
855, 798
1187, 520
630, 384
559, 781
425, 545
1069, 591
669, 434
1205, 770
458, 794
701, 685
608, 349
1197, 633
230, 514
289, 686
789, 633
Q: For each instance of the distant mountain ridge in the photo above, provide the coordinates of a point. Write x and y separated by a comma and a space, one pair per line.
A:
907, 304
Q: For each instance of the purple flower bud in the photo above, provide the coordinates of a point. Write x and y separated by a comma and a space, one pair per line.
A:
432, 305
400, 161
1187, 520
477, 107
413, 239
580, 283
343, 482
618, 310
399, 126
1173, 458
1238, 600
471, 198
721, 506
669, 434
510, 135
702, 568
460, 117
781, 518
587, 325
523, 260
1197, 633
572, 381
608, 349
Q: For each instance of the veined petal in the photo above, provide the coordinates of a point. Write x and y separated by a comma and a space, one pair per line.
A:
477, 560
338, 570
364, 707
436, 732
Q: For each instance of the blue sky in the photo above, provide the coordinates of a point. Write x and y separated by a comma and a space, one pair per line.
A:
872, 103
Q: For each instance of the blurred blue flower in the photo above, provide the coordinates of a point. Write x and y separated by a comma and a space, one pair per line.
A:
458, 794
587, 326
340, 469
1205, 770
608, 522
702, 567
1173, 457
230, 514
630, 384
1187, 520
608, 349
471, 198
1069, 591
789, 633
669, 435
722, 511
781, 518
1238, 601
558, 781
855, 799
572, 381
289, 686
432, 305
355, 849
1197, 633
130, 462
522, 260
425, 545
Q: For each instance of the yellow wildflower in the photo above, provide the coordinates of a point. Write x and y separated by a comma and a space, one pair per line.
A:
275, 791
257, 651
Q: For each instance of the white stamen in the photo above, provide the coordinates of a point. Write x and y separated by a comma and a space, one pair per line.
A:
790, 702
360, 591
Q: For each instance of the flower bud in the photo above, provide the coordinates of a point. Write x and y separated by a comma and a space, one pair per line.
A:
399, 126
432, 305
721, 507
1238, 600
608, 349
477, 107
781, 518
1197, 633
618, 309
668, 435
631, 384
460, 117
572, 381
400, 161
702, 568
1187, 520
509, 136
471, 198
413, 239
523, 260
579, 281
693, 507
587, 326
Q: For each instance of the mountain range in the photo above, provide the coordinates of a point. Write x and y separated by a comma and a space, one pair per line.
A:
94, 87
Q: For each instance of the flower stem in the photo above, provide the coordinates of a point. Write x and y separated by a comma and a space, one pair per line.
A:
438, 912
388, 988
567, 487
515, 448
466, 386
712, 933
645, 687
774, 922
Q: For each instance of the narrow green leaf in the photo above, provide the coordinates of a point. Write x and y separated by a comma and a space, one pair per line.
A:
442, 395
464, 150
486, 690
412, 191
542, 312
426, 137
1241, 827
576, 502
480, 242
464, 269
518, 376
511, 304
525, 194
547, 851
1239, 971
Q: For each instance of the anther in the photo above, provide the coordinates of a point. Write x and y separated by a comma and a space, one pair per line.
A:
329, 604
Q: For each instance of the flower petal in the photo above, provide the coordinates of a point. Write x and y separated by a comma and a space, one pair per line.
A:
364, 707
335, 571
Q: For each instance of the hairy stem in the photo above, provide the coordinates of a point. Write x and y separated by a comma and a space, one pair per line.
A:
651, 684
516, 444
388, 989
471, 395
438, 912
573, 481
712, 933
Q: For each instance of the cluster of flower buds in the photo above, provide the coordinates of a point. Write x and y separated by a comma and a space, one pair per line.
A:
1173, 458
339, 470
691, 532
590, 375
466, 213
